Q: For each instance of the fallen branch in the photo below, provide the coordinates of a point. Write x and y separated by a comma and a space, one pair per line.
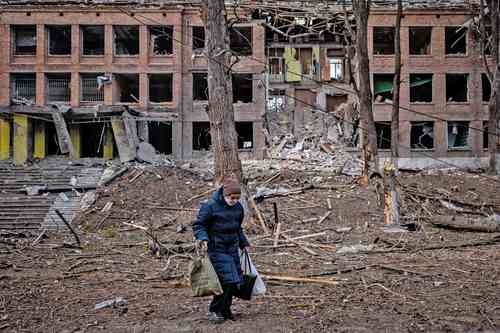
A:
299, 279
486, 224
69, 227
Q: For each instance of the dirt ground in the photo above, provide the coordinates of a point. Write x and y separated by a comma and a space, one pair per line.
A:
426, 280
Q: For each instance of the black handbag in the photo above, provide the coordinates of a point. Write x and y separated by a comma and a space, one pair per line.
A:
246, 288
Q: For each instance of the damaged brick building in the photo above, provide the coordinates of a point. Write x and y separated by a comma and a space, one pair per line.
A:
93, 79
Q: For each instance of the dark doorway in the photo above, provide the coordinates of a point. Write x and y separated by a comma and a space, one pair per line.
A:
160, 136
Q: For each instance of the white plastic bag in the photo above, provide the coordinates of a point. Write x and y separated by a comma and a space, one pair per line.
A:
259, 287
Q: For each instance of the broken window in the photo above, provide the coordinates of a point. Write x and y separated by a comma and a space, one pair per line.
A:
276, 64
200, 87
458, 134
420, 40
244, 131
276, 101
456, 40
422, 135
201, 135
23, 88
486, 87
420, 88
383, 130
198, 39
24, 37
58, 87
242, 88
485, 134
457, 87
336, 68
241, 40
334, 101
160, 136
92, 39
126, 39
161, 39
160, 88
382, 87
127, 88
90, 89
383, 40
59, 39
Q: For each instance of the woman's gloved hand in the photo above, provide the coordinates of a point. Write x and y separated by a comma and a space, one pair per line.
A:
201, 247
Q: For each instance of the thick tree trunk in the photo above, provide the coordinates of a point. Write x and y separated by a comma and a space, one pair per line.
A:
220, 103
396, 88
361, 11
494, 100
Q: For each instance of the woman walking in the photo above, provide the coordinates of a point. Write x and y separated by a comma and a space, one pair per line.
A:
217, 230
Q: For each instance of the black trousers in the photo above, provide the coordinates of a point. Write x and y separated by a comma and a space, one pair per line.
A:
222, 303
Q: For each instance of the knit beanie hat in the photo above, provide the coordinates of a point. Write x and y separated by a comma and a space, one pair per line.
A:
231, 186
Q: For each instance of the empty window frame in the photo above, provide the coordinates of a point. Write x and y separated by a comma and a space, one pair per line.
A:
24, 37
486, 88
455, 40
23, 87
58, 87
420, 40
126, 39
457, 88
242, 88
244, 131
422, 135
382, 88
161, 42
383, 130
126, 88
241, 40
383, 40
488, 41
276, 64
201, 135
198, 39
458, 135
420, 88
90, 90
276, 101
92, 40
200, 87
485, 135
59, 39
336, 68
160, 88
160, 136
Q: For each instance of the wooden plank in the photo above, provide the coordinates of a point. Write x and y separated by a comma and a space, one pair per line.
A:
126, 149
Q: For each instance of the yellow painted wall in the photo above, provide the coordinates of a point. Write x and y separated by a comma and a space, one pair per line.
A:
74, 133
293, 71
39, 140
20, 139
4, 139
108, 144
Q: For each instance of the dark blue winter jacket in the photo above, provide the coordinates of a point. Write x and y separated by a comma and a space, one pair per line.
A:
220, 225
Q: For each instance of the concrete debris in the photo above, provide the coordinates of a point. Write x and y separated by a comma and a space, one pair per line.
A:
63, 197
35, 190
355, 249
147, 153
118, 301
88, 200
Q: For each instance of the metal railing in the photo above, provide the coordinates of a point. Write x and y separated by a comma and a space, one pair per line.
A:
58, 90
24, 89
90, 91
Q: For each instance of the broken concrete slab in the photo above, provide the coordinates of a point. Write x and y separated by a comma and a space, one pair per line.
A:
126, 147
147, 153
63, 137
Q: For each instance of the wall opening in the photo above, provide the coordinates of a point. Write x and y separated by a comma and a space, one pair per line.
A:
89, 88
383, 134
59, 39
244, 131
92, 140
160, 136
161, 42
23, 88
58, 87
198, 40
276, 101
92, 39
336, 68
276, 64
485, 134
24, 37
420, 40
382, 88
486, 87
456, 40
242, 88
126, 39
383, 40
457, 87
458, 135
201, 135
420, 88
334, 101
422, 135
200, 87
160, 88
127, 88
241, 40
51, 141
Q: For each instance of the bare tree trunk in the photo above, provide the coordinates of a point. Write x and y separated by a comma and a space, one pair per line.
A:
220, 103
396, 88
493, 6
361, 11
